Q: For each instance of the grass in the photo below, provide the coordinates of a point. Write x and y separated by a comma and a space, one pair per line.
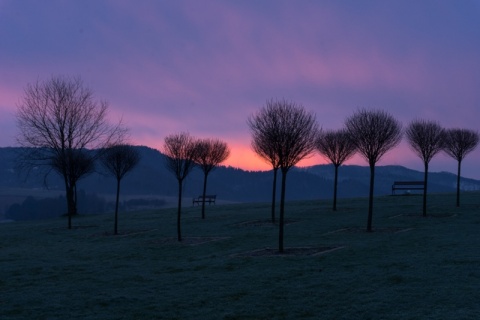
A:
408, 268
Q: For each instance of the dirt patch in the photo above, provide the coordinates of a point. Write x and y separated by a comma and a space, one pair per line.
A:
190, 241
287, 252
263, 223
122, 233
375, 230
419, 215
51, 230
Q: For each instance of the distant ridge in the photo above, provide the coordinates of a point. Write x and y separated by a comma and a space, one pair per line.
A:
233, 184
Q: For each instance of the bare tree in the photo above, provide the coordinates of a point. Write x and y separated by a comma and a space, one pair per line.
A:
458, 143
261, 126
289, 131
181, 151
211, 152
119, 160
338, 147
59, 120
374, 132
426, 138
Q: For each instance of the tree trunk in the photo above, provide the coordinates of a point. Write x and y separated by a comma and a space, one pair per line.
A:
458, 182
74, 204
274, 193
282, 212
69, 193
204, 194
370, 200
115, 229
179, 229
425, 180
335, 184
74, 198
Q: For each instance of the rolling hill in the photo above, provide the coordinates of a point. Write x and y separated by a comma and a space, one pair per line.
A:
151, 179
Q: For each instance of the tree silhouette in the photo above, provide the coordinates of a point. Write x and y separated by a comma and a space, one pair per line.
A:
289, 131
119, 160
374, 132
261, 126
338, 147
458, 143
210, 153
181, 151
426, 138
59, 120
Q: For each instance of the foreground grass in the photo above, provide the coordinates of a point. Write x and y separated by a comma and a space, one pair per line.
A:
409, 268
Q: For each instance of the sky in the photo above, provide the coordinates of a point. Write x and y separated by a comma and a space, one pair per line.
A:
205, 66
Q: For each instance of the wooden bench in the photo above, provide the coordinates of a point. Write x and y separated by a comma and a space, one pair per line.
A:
208, 199
407, 185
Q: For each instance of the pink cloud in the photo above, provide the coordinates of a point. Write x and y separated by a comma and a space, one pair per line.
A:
9, 98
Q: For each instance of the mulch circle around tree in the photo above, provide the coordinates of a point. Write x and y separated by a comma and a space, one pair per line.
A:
190, 241
420, 215
287, 252
263, 223
73, 228
375, 230
122, 233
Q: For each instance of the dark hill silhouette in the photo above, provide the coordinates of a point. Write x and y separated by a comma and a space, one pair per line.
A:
151, 177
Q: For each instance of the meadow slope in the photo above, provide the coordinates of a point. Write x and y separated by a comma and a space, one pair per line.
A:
408, 268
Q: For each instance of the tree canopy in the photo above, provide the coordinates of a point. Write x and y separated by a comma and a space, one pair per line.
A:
283, 133
426, 139
374, 132
61, 126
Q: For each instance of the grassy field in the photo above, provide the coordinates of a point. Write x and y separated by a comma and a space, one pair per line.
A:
408, 268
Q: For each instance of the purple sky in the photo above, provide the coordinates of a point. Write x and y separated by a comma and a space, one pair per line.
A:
205, 66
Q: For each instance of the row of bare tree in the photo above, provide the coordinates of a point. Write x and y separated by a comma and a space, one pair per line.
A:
64, 129
184, 152
283, 133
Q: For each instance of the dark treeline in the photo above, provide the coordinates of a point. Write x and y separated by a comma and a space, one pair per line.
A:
45, 208
35, 209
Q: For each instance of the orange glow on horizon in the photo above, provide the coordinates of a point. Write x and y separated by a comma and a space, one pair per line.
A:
243, 157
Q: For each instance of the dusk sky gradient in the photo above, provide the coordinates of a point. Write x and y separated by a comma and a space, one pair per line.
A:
205, 66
